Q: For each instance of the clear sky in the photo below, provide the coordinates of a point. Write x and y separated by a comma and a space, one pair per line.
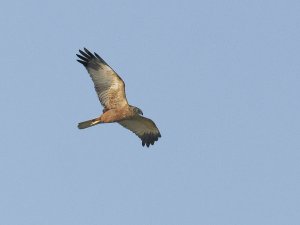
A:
219, 78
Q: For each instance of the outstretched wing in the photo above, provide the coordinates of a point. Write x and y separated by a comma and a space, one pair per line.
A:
108, 85
143, 127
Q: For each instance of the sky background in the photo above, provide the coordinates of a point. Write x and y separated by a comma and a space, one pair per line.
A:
219, 78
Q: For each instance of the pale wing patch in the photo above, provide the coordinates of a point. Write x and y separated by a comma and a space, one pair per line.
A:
144, 128
109, 86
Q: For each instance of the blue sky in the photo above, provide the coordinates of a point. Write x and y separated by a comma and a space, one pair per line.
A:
219, 78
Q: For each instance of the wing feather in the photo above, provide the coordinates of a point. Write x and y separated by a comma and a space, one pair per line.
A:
144, 128
108, 84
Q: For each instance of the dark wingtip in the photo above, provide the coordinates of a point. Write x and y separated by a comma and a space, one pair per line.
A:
85, 55
88, 52
150, 138
82, 62
102, 60
97, 55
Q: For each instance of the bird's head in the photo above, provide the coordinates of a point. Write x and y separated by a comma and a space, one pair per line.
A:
137, 110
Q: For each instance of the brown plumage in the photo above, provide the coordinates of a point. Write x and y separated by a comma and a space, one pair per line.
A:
110, 89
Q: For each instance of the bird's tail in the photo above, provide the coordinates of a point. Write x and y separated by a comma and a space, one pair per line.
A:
89, 123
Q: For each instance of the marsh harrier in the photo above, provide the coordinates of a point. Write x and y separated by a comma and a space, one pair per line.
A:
110, 89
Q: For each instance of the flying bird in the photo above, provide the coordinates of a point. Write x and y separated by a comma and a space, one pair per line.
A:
110, 89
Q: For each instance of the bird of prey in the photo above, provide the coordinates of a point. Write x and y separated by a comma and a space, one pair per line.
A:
110, 89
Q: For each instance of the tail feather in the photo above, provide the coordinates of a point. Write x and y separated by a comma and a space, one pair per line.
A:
88, 123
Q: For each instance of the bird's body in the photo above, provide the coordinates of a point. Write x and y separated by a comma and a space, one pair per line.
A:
117, 115
113, 115
111, 92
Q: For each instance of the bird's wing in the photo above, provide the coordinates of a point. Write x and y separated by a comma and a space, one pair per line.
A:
143, 127
108, 85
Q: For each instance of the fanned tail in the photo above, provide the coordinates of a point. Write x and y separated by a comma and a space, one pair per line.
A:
88, 123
